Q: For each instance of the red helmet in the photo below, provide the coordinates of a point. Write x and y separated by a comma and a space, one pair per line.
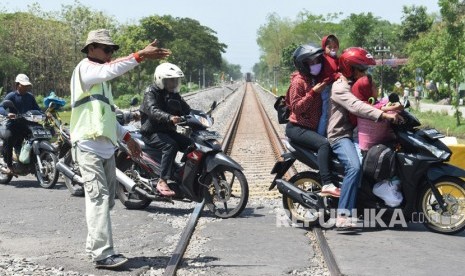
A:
354, 57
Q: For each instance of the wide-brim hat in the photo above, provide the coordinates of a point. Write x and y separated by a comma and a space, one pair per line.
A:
101, 36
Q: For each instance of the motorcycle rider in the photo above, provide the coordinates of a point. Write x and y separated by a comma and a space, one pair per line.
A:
340, 129
158, 120
305, 103
16, 130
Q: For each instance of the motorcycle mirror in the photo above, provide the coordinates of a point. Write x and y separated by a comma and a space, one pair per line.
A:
51, 106
134, 101
213, 106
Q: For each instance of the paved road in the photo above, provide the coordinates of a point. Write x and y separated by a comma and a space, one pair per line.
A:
47, 226
405, 251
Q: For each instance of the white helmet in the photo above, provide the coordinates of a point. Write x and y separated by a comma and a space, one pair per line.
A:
167, 71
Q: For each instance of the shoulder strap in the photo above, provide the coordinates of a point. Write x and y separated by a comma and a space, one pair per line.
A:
286, 97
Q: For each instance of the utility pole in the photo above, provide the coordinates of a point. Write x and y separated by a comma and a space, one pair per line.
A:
381, 49
275, 88
203, 71
200, 87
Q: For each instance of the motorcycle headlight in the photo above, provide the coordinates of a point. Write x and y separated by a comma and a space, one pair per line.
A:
204, 121
36, 118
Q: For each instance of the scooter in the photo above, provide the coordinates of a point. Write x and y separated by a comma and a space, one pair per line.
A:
203, 173
433, 191
66, 164
37, 155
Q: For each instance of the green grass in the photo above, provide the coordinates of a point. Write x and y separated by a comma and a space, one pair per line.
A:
444, 123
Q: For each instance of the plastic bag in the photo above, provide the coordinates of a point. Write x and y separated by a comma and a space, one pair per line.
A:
25, 155
389, 191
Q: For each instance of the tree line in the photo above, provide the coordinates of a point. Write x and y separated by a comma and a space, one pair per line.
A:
432, 43
46, 46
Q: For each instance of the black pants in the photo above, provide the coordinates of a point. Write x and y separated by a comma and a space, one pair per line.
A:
314, 141
13, 135
169, 143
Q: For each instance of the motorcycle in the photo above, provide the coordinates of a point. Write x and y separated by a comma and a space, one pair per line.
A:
203, 173
63, 148
433, 191
37, 153
66, 165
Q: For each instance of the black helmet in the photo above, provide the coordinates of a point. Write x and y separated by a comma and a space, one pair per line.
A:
304, 53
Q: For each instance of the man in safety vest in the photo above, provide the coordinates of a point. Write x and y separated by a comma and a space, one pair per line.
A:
94, 134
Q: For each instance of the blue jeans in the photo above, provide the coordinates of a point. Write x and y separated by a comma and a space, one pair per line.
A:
347, 153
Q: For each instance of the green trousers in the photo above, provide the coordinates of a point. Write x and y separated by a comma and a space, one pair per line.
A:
100, 185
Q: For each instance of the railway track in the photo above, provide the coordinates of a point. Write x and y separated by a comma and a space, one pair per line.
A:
278, 149
252, 140
186, 235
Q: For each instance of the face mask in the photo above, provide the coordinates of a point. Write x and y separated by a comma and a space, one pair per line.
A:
315, 69
332, 53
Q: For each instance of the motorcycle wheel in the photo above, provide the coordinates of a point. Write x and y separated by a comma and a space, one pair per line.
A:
49, 177
73, 188
132, 201
233, 193
307, 181
451, 221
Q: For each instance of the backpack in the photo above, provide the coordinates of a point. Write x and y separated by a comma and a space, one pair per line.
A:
379, 163
282, 109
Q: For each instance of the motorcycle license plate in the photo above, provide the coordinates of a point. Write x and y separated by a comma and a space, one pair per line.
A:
40, 132
433, 133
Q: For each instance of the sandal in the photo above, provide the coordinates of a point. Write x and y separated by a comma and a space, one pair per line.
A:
8, 171
345, 223
164, 190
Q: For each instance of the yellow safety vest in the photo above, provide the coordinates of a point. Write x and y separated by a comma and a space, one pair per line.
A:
93, 112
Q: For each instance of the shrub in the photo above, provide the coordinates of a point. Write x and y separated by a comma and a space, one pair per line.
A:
124, 101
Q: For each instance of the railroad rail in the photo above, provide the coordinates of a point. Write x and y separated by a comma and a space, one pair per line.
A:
186, 235
278, 149
251, 126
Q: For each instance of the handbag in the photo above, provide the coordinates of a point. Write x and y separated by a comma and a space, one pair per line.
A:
282, 110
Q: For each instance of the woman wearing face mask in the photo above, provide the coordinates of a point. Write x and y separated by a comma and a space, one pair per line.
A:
304, 101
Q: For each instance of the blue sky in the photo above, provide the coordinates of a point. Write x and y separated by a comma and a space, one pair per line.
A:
235, 21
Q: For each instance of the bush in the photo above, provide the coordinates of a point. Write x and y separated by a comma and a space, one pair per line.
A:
124, 101
442, 93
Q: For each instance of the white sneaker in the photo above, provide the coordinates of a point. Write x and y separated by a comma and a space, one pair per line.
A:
388, 191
